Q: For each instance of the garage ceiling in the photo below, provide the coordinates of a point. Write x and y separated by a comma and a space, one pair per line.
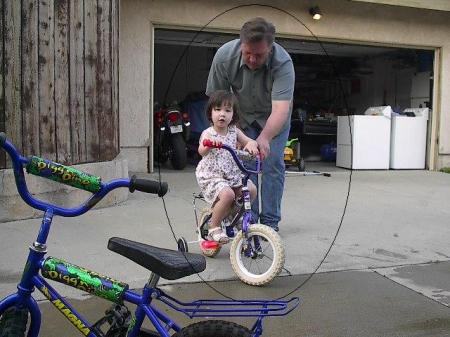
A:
215, 40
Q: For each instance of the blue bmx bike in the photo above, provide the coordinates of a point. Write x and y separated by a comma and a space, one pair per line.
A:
257, 253
20, 314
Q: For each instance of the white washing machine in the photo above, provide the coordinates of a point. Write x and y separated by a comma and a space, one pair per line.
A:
370, 135
409, 139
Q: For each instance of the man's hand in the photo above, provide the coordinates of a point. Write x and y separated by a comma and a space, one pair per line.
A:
274, 124
264, 146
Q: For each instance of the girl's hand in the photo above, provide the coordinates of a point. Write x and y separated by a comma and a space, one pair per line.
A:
252, 147
215, 143
202, 149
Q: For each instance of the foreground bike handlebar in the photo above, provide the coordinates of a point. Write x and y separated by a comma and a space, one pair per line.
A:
73, 177
235, 154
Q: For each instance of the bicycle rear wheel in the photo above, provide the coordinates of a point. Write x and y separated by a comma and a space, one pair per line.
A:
13, 322
214, 328
258, 260
142, 333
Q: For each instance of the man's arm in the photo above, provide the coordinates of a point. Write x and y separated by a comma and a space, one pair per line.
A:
274, 124
282, 92
217, 78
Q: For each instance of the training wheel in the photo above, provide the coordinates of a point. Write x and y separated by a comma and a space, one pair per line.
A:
182, 245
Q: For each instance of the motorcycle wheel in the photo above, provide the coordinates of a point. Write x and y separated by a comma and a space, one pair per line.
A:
178, 156
159, 148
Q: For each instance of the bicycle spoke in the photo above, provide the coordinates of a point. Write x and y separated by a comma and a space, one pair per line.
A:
261, 263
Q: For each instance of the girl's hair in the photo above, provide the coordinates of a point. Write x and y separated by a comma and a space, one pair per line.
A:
220, 98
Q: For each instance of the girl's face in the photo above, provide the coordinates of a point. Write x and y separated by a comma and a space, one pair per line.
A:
222, 116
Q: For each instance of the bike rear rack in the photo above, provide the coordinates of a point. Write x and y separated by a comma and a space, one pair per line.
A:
230, 308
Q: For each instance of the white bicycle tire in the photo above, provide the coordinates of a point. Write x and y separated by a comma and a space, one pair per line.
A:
275, 264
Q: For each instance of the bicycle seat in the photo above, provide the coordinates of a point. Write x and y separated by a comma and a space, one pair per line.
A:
169, 264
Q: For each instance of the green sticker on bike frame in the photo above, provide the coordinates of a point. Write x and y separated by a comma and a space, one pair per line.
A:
83, 279
63, 174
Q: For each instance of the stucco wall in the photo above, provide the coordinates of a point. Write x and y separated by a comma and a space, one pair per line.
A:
342, 21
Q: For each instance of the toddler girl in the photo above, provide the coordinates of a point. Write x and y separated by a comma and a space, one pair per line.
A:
218, 176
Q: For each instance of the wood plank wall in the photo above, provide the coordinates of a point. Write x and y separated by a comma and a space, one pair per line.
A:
59, 79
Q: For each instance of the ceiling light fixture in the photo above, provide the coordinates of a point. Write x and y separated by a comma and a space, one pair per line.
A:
315, 13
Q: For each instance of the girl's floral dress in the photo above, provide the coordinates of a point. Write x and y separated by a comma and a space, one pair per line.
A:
217, 169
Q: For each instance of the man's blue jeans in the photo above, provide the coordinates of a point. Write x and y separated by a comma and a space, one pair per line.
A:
272, 181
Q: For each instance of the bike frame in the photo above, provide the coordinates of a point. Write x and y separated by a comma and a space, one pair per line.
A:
247, 215
35, 263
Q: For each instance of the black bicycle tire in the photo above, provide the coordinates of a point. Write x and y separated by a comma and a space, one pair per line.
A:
147, 333
123, 332
214, 328
13, 322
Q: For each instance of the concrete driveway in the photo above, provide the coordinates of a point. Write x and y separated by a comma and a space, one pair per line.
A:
396, 225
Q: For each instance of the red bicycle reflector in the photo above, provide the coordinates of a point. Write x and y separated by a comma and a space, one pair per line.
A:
210, 244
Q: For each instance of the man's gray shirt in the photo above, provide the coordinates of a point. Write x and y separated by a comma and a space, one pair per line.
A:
254, 89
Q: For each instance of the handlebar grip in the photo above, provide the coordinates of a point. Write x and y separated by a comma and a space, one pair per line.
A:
148, 186
209, 143
2, 139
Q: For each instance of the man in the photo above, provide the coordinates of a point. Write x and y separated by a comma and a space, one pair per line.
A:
261, 75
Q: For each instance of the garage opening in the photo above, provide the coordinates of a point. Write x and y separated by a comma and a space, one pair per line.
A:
332, 80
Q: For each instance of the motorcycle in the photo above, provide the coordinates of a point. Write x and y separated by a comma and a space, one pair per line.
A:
171, 130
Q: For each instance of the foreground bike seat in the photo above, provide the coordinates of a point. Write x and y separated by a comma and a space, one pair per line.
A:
169, 264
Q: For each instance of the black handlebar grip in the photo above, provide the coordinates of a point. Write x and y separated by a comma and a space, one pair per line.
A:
2, 139
148, 186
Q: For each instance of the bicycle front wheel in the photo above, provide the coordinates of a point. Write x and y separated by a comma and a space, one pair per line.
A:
13, 322
214, 328
258, 259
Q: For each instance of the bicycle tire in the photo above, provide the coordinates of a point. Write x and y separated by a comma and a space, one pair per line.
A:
13, 322
214, 328
142, 333
242, 264
208, 252
148, 333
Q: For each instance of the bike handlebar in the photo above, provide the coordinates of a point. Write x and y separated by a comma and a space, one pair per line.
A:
148, 186
235, 153
58, 172
210, 143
